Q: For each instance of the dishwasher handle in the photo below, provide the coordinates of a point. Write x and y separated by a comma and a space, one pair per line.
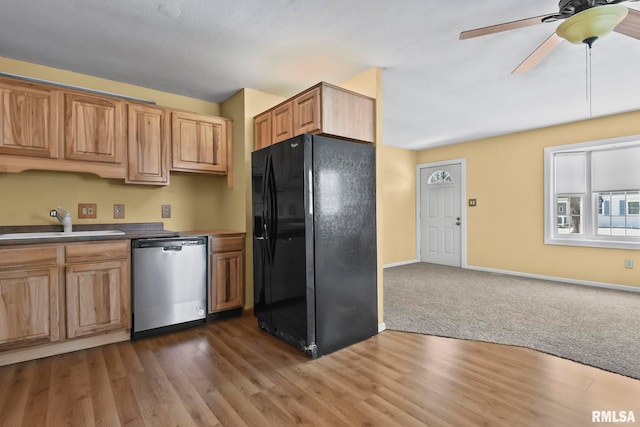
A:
171, 242
171, 248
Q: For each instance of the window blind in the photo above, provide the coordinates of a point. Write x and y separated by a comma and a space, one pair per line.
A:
571, 173
616, 169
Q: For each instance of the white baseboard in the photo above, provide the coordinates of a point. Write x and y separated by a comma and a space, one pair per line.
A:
397, 264
556, 279
381, 327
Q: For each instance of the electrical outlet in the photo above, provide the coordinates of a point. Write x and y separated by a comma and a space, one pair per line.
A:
628, 263
473, 202
166, 211
118, 211
87, 210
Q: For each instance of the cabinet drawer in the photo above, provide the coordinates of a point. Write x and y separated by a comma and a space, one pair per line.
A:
26, 256
226, 244
97, 251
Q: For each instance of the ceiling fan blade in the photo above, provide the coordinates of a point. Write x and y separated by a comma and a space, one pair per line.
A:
502, 27
630, 26
539, 54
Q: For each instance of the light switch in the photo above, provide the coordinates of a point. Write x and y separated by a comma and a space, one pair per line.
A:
118, 211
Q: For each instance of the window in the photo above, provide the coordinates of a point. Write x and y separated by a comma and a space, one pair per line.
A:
440, 177
592, 194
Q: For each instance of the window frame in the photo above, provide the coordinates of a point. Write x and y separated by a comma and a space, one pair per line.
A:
588, 237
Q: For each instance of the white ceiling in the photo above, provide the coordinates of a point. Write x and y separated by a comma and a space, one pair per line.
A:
437, 89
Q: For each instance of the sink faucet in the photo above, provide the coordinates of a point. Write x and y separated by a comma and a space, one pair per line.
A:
66, 220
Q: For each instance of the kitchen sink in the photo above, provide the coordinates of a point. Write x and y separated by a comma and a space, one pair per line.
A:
60, 234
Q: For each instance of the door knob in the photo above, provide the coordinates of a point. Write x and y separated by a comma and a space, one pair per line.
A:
458, 221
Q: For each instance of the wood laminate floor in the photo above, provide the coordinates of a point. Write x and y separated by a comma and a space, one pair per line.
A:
231, 373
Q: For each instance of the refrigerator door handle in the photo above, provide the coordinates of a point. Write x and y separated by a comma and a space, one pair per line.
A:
265, 197
272, 219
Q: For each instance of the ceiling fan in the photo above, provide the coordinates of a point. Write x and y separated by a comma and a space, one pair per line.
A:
583, 22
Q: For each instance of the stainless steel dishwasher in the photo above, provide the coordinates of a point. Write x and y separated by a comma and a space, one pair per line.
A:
169, 284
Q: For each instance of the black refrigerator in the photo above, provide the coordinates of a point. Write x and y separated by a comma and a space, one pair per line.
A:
314, 242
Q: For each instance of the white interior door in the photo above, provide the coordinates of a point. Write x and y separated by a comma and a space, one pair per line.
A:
440, 214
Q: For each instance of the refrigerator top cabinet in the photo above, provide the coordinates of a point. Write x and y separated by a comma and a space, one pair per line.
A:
314, 242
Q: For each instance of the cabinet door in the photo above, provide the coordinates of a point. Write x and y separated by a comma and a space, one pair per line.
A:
262, 130
306, 112
28, 307
98, 298
281, 123
28, 120
227, 284
199, 143
148, 145
94, 128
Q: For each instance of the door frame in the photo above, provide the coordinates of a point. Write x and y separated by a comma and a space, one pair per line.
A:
463, 206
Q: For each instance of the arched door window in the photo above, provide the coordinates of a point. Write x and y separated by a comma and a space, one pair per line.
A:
440, 177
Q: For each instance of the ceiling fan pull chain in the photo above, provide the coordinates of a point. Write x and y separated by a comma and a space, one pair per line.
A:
588, 78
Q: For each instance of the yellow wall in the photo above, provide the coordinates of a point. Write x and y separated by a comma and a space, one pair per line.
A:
237, 202
27, 197
506, 175
399, 197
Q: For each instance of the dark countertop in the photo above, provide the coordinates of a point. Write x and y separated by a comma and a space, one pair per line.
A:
131, 231
215, 233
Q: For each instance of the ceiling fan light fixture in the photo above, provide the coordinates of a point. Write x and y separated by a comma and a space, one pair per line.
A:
588, 25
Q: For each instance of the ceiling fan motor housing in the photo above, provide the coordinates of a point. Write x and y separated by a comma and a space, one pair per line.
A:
568, 8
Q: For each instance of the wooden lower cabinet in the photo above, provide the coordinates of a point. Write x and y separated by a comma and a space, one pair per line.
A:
97, 298
28, 307
58, 297
226, 283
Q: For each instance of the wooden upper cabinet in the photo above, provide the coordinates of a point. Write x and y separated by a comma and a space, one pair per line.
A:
94, 128
306, 112
282, 123
28, 119
322, 109
262, 130
148, 139
347, 114
200, 143
45, 127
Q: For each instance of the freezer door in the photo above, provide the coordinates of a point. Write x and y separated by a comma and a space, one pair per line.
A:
289, 314
261, 266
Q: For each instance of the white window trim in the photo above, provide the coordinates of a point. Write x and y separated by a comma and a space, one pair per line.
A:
550, 226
